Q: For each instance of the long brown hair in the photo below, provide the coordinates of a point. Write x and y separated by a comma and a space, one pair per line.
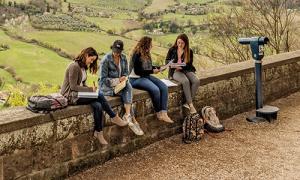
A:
185, 39
143, 48
80, 59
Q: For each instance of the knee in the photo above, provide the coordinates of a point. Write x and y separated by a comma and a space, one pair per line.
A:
163, 88
97, 106
155, 92
128, 87
196, 82
185, 82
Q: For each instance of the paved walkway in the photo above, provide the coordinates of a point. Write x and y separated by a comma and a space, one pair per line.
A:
248, 151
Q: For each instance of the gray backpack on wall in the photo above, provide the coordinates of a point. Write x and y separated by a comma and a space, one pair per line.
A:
45, 104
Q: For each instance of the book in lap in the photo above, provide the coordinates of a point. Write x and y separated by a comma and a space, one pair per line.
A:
92, 95
120, 86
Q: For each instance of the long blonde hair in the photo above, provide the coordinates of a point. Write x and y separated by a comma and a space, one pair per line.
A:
143, 48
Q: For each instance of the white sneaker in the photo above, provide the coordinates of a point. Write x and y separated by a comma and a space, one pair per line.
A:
135, 127
139, 131
128, 119
186, 105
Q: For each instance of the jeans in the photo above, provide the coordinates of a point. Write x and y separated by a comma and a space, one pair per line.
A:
190, 84
126, 94
156, 88
98, 105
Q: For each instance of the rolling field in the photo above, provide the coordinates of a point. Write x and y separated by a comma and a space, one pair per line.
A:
7, 78
158, 5
32, 63
113, 4
114, 24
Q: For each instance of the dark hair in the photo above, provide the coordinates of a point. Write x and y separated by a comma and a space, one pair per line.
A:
185, 39
143, 47
80, 59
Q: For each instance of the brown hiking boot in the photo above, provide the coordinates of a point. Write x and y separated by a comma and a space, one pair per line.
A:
100, 137
118, 121
164, 117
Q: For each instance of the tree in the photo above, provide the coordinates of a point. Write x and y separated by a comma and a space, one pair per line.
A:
173, 27
271, 18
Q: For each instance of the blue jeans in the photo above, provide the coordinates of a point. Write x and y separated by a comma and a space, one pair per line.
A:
126, 94
98, 105
156, 88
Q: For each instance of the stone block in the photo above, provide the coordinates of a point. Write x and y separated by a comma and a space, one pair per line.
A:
74, 125
17, 164
88, 161
83, 145
28, 137
1, 169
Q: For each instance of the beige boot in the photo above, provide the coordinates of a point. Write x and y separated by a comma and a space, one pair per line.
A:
158, 115
165, 117
100, 137
192, 108
118, 121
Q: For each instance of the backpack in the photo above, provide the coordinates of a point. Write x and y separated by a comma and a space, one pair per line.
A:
193, 128
212, 122
45, 104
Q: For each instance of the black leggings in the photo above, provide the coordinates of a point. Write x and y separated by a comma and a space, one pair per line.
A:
98, 105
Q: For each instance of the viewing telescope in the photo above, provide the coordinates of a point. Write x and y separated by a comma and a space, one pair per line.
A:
262, 112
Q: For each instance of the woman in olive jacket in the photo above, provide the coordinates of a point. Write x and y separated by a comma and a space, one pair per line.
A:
75, 81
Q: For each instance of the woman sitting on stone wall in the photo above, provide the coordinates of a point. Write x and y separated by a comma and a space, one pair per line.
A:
113, 71
141, 78
180, 53
75, 81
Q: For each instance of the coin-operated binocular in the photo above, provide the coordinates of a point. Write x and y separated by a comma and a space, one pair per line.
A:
257, 48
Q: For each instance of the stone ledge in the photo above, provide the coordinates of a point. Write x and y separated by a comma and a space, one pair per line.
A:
19, 118
236, 69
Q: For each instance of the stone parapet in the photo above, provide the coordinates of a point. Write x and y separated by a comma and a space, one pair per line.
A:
60, 143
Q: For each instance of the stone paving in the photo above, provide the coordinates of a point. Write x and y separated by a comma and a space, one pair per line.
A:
243, 151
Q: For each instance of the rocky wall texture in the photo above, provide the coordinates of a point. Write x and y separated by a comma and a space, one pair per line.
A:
55, 145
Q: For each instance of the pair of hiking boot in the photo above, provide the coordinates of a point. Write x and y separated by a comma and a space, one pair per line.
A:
99, 134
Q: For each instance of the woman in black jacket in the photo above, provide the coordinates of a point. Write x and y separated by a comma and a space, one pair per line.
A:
141, 78
180, 52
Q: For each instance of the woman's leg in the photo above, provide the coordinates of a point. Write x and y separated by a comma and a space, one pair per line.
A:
181, 77
105, 106
126, 95
97, 110
98, 122
163, 93
147, 85
194, 81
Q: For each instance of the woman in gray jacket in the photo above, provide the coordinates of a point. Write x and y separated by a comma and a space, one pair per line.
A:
75, 81
113, 71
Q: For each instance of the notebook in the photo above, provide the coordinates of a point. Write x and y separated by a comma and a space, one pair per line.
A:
120, 86
92, 95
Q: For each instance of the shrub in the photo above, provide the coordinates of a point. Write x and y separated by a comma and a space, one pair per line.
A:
20, 92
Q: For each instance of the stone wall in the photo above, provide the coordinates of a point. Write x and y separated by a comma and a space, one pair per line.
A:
59, 144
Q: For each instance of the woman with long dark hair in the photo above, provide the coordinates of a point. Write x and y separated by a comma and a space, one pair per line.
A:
75, 81
180, 52
141, 78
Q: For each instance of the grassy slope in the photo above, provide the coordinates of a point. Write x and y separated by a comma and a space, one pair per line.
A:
33, 63
8, 79
112, 4
113, 23
158, 5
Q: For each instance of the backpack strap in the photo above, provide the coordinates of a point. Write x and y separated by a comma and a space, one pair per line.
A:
203, 112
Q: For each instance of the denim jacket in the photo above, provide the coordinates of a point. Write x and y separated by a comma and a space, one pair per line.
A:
109, 73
